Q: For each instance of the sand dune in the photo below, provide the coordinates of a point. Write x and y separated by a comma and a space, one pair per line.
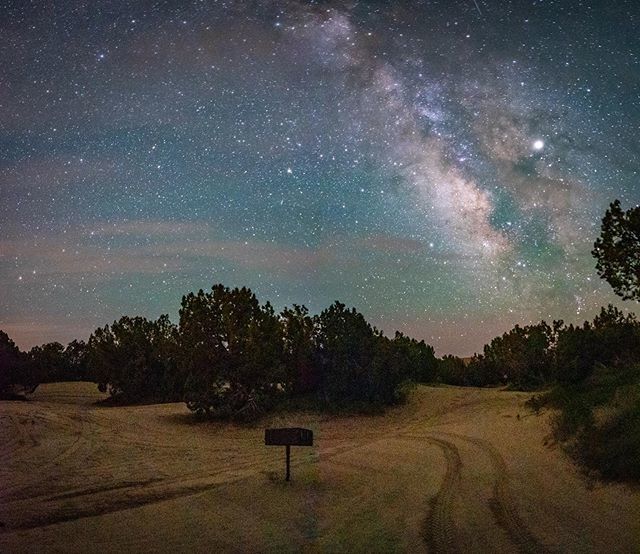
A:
454, 470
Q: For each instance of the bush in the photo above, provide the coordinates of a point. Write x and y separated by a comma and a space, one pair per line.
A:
613, 339
598, 420
612, 448
347, 347
231, 357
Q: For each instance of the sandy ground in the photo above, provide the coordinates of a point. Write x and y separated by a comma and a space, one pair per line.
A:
454, 470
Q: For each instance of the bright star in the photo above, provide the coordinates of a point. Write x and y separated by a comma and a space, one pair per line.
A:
538, 145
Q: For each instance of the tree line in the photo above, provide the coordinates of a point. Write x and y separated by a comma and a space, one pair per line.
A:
22, 372
230, 356
535, 356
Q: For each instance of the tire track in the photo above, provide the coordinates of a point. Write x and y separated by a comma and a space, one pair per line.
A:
101, 500
503, 505
440, 533
14, 443
132, 495
41, 472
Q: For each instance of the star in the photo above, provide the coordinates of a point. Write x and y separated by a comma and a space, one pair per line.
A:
304, 147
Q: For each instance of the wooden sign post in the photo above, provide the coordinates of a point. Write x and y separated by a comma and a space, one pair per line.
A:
288, 437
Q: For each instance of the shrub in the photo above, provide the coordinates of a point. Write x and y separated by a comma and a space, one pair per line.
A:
598, 420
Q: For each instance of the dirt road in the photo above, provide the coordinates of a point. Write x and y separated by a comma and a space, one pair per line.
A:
455, 470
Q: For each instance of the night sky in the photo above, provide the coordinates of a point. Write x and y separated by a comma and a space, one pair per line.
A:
441, 165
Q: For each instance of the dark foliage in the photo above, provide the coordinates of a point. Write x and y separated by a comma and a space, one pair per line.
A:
453, 371
75, 355
16, 374
346, 346
598, 420
134, 359
617, 251
523, 358
299, 336
611, 339
358, 365
535, 356
231, 353
240, 359
48, 362
231, 357
53, 362
414, 359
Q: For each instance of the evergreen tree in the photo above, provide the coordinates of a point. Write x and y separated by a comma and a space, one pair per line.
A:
134, 359
617, 251
231, 352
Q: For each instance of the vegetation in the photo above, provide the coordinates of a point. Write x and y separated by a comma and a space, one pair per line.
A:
15, 374
231, 352
135, 359
598, 420
617, 251
232, 357
597, 390
523, 357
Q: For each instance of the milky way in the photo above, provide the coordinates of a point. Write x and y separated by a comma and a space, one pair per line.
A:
442, 166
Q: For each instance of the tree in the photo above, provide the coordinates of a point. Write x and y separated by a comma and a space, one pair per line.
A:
452, 371
617, 251
76, 361
299, 342
414, 359
231, 353
15, 371
48, 362
134, 359
346, 346
522, 357
612, 339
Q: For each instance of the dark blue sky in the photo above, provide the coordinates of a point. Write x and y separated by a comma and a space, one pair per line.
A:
442, 166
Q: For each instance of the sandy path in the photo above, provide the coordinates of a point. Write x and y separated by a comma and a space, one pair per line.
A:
456, 470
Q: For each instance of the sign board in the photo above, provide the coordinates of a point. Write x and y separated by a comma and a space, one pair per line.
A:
288, 436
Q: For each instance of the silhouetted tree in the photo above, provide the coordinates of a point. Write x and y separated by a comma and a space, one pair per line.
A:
611, 339
453, 371
522, 357
347, 346
617, 250
299, 348
76, 361
16, 374
414, 359
135, 359
231, 352
48, 362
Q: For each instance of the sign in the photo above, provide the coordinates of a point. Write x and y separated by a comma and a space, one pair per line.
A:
288, 437
292, 436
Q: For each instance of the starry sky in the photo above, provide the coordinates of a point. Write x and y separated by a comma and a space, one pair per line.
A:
441, 165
